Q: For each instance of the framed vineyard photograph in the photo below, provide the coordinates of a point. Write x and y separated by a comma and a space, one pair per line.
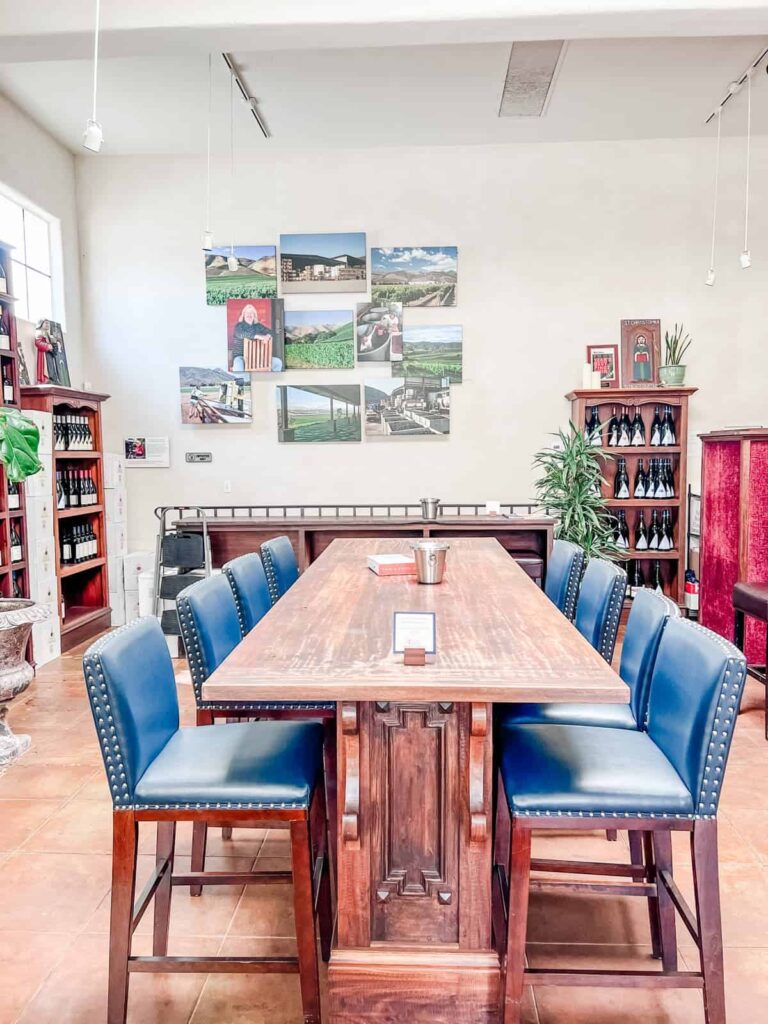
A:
435, 350
320, 339
421, 275
640, 353
604, 359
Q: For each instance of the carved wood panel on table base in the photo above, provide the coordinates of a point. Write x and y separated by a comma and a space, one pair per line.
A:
414, 859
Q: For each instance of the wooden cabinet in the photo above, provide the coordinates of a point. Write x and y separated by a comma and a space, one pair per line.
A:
14, 580
734, 528
645, 400
83, 586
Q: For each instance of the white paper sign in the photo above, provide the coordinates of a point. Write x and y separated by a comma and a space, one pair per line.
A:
414, 629
148, 452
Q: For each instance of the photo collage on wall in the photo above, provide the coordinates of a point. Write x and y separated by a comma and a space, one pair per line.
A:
263, 337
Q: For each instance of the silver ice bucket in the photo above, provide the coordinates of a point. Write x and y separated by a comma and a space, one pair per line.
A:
429, 508
430, 558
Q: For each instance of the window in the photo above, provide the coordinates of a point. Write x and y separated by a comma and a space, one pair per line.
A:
30, 235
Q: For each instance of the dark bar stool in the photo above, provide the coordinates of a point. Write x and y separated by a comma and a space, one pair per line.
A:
752, 599
280, 565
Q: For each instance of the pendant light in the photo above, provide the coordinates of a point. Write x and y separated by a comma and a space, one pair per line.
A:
93, 135
711, 272
746, 257
208, 234
232, 261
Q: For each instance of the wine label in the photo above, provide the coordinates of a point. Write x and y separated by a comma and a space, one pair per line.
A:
623, 491
638, 441
640, 490
16, 552
653, 546
642, 543
656, 438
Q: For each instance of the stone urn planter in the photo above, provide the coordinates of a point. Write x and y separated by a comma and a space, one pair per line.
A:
16, 620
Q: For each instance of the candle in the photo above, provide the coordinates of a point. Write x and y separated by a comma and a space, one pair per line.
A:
586, 375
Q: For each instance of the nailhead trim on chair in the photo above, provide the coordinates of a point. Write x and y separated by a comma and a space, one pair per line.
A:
611, 627
238, 598
572, 589
198, 669
722, 733
269, 570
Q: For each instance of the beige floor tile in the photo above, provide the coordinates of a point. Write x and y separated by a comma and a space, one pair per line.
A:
26, 959
44, 892
37, 782
19, 820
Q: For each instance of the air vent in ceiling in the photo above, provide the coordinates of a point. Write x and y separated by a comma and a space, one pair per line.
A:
531, 73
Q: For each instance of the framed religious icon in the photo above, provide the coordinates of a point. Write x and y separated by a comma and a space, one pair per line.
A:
604, 359
640, 352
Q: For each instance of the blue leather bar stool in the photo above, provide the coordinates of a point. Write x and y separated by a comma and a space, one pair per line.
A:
249, 585
564, 571
211, 629
599, 604
261, 774
666, 778
280, 565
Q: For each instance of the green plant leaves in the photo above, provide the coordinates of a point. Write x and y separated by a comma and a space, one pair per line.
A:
570, 488
676, 345
19, 443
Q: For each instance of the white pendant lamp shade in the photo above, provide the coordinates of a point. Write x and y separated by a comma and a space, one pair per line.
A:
232, 262
93, 136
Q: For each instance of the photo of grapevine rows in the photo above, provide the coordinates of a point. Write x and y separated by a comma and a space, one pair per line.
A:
321, 340
416, 294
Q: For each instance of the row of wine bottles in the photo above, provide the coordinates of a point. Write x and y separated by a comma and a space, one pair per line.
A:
638, 581
657, 535
78, 544
623, 432
75, 488
658, 481
72, 434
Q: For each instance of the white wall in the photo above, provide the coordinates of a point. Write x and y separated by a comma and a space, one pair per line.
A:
557, 243
41, 170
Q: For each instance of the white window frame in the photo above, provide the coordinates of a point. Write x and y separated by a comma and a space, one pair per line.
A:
56, 256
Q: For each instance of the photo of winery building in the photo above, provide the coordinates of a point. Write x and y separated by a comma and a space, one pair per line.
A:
327, 262
407, 407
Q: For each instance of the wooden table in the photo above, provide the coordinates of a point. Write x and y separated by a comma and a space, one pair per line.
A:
415, 752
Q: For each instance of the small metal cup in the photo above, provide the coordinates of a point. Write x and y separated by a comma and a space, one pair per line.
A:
430, 556
429, 508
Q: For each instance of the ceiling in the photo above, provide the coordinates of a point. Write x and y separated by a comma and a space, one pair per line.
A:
607, 89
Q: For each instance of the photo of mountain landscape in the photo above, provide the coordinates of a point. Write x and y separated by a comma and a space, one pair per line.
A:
416, 276
333, 262
432, 351
254, 278
319, 339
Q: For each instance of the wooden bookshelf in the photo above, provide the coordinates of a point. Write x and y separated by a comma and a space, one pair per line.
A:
645, 400
13, 575
83, 587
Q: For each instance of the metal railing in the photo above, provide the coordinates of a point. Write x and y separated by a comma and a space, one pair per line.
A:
372, 511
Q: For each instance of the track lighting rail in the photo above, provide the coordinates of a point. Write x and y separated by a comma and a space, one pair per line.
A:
250, 100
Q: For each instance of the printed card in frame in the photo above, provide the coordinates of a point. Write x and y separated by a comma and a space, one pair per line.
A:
604, 359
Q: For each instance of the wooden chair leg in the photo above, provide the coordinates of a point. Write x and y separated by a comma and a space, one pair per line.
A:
662, 850
319, 834
611, 835
636, 847
226, 831
517, 923
125, 833
166, 841
653, 903
707, 891
501, 836
304, 914
199, 844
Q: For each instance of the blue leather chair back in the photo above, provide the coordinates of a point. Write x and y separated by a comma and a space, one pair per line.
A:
132, 690
564, 570
645, 626
280, 565
599, 605
210, 626
249, 585
694, 698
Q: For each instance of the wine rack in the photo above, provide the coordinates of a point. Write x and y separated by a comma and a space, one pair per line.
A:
14, 580
83, 586
645, 400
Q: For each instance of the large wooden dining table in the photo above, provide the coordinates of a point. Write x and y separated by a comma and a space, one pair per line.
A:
415, 748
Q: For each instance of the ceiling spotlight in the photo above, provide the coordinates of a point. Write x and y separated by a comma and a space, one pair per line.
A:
93, 136
745, 260
710, 277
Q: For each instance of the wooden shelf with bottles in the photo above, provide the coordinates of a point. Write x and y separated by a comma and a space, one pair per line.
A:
645, 401
14, 581
83, 586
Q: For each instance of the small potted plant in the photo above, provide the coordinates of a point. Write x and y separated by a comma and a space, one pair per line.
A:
672, 373
570, 487
19, 442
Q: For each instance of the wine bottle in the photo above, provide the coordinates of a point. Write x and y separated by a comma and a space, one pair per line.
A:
666, 542
641, 533
636, 578
654, 531
656, 429
7, 387
620, 523
14, 496
640, 481
594, 429
74, 490
657, 586
621, 483
67, 556
623, 529
16, 586
613, 430
625, 429
17, 554
61, 497
638, 430
669, 479
668, 437
5, 330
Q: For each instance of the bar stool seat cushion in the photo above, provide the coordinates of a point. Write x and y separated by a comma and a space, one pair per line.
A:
606, 716
752, 599
251, 764
585, 772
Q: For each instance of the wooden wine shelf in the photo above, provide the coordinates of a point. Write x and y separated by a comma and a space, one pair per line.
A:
644, 450
632, 553
78, 567
80, 615
77, 455
642, 502
86, 510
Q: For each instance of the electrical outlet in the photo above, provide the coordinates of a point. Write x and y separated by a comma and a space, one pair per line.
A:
227, 486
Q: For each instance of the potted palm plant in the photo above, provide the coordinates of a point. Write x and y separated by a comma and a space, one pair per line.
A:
570, 487
19, 443
676, 344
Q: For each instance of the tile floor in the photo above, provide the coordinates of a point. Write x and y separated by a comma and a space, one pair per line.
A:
55, 837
